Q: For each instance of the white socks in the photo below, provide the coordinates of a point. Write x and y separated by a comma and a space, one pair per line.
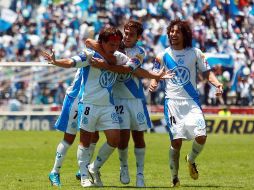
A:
83, 156
174, 155
105, 151
91, 149
140, 157
61, 150
195, 151
123, 157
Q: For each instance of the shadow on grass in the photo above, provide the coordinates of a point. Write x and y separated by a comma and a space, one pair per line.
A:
214, 186
183, 186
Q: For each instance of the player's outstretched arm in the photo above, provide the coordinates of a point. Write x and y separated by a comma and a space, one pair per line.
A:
50, 57
93, 44
101, 64
142, 73
214, 81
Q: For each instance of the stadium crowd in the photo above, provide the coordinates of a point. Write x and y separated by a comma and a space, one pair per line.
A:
218, 27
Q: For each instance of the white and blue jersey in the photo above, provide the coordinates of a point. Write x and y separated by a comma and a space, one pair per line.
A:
97, 83
185, 64
129, 94
128, 86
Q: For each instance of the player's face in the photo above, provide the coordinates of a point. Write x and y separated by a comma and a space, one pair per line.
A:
111, 46
130, 37
176, 37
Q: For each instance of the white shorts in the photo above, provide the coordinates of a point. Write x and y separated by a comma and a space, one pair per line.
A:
184, 119
98, 118
68, 119
133, 114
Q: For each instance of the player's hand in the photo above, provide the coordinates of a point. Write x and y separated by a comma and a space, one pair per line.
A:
165, 74
98, 63
153, 85
50, 57
219, 90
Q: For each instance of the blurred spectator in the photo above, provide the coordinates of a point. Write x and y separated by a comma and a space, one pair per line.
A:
64, 26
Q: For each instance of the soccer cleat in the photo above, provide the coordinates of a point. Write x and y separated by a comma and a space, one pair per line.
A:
96, 177
54, 179
86, 182
192, 169
124, 175
175, 182
140, 180
78, 176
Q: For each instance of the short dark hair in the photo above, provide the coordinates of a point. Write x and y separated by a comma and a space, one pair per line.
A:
109, 33
134, 24
185, 29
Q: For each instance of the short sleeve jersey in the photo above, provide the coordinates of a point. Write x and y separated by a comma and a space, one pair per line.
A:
97, 84
128, 86
185, 64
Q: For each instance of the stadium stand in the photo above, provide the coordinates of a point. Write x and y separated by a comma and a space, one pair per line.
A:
224, 29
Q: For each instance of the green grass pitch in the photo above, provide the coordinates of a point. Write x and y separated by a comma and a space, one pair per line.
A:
227, 162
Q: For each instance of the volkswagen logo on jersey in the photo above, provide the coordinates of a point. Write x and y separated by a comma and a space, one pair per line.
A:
107, 79
182, 76
140, 117
115, 117
123, 77
180, 61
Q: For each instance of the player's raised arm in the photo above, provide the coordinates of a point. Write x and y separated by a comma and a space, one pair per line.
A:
50, 57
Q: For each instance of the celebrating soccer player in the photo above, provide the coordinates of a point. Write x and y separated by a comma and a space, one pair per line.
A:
182, 109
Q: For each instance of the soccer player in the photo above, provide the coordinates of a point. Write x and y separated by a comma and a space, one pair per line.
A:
130, 101
97, 104
182, 109
68, 123
97, 108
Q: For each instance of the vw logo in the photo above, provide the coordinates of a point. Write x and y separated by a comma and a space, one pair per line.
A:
182, 76
107, 79
123, 77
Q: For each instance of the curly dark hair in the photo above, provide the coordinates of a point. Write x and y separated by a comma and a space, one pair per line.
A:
107, 32
185, 29
134, 24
